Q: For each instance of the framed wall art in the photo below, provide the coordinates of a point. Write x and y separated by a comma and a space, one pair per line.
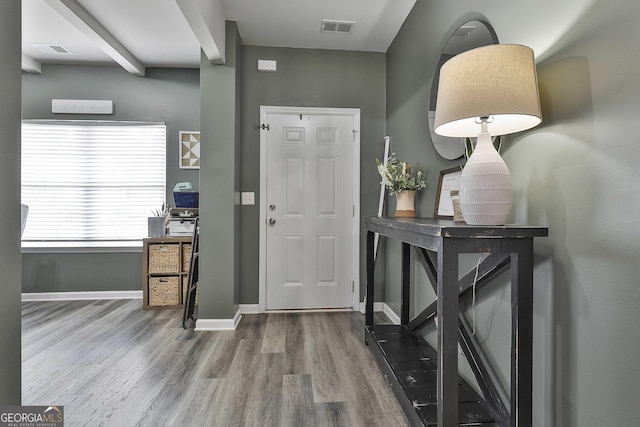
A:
189, 150
449, 180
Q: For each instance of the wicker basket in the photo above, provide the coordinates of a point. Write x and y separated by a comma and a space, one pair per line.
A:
164, 258
186, 257
164, 291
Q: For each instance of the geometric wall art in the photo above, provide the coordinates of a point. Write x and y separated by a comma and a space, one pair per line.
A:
189, 150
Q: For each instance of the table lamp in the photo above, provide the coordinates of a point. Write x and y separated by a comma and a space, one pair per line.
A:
490, 90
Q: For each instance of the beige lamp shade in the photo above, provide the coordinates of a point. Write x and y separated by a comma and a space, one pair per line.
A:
495, 81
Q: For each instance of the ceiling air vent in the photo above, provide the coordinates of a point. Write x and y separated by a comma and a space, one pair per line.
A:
341, 27
49, 48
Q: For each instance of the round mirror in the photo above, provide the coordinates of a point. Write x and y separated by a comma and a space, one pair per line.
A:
468, 36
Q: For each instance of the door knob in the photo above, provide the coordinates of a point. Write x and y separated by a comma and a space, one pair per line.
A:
272, 221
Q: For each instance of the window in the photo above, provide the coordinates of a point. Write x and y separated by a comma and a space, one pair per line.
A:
91, 183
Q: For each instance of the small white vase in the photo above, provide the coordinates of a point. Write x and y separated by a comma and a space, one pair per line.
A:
405, 204
486, 193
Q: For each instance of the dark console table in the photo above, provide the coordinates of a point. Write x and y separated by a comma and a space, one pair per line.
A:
424, 380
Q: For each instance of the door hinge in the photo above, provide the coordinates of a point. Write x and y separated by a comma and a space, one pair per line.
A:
353, 211
353, 286
262, 126
354, 132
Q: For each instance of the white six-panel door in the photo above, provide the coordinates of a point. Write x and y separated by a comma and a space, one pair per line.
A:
308, 210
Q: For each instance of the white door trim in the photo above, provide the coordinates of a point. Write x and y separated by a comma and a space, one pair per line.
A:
353, 112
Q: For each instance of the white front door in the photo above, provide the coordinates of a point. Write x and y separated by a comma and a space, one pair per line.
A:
309, 210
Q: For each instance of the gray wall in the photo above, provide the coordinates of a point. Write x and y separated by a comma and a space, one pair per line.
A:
308, 78
577, 173
81, 272
10, 385
164, 95
219, 176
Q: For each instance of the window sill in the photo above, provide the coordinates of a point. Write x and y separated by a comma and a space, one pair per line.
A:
81, 247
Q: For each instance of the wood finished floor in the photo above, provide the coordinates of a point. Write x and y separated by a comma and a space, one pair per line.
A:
112, 364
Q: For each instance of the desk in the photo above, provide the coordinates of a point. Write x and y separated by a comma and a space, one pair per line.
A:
437, 244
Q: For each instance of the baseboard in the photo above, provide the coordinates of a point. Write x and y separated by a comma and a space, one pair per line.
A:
310, 310
255, 309
377, 306
201, 324
395, 319
219, 324
383, 307
249, 308
76, 296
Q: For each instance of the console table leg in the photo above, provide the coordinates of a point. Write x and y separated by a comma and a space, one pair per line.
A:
406, 284
368, 310
447, 309
522, 334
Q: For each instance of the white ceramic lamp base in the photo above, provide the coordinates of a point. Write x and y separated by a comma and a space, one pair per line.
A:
486, 193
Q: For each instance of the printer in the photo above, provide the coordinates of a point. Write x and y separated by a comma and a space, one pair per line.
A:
181, 221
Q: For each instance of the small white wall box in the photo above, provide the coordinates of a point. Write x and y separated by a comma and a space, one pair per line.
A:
81, 106
267, 65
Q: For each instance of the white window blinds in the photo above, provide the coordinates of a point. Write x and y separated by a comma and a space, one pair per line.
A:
91, 181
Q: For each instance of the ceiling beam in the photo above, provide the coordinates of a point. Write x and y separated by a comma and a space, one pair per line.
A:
30, 65
78, 16
207, 21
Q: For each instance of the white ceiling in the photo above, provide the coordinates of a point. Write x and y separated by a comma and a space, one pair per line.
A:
155, 33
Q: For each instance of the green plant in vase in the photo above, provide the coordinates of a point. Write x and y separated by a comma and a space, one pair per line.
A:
403, 180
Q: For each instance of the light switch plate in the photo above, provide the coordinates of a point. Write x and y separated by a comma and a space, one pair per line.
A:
248, 198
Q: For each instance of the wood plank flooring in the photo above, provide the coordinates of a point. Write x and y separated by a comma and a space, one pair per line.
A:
112, 364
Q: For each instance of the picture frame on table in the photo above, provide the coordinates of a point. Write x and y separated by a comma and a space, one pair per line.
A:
449, 180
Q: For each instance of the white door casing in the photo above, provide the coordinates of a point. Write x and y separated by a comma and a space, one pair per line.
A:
309, 208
